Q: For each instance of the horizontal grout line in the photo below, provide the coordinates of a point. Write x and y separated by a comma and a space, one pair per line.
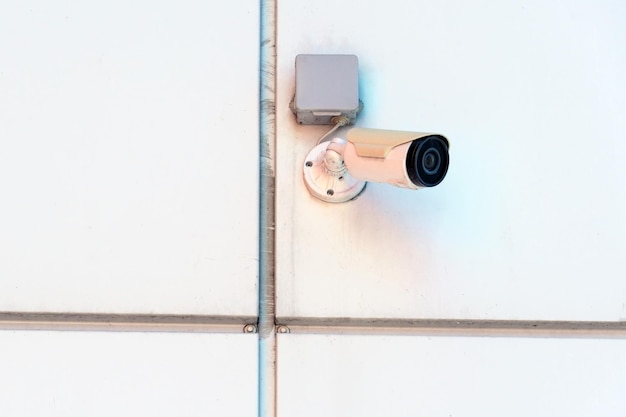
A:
311, 325
125, 322
451, 327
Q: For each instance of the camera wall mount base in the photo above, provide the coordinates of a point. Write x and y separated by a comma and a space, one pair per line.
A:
326, 176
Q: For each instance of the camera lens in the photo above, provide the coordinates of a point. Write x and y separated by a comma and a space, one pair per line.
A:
427, 161
431, 161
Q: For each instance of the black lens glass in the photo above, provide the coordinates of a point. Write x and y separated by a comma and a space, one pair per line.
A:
427, 160
431, 161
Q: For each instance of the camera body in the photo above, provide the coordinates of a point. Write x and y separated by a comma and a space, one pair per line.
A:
336, 171
405, 159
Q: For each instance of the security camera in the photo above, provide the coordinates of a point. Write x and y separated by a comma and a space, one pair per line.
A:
405, 159
336, 171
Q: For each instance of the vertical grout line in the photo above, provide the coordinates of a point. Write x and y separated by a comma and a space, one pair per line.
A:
267, 137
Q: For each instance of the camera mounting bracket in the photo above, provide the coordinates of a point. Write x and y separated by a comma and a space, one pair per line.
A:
326, 175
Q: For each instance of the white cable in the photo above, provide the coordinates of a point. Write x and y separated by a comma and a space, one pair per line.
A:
339, 122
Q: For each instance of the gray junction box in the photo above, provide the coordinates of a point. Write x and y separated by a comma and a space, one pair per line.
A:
326, 86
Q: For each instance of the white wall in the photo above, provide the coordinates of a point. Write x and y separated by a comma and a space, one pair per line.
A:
443, 376
129, 179
118, 193
127, 374
121, 194
528, 224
